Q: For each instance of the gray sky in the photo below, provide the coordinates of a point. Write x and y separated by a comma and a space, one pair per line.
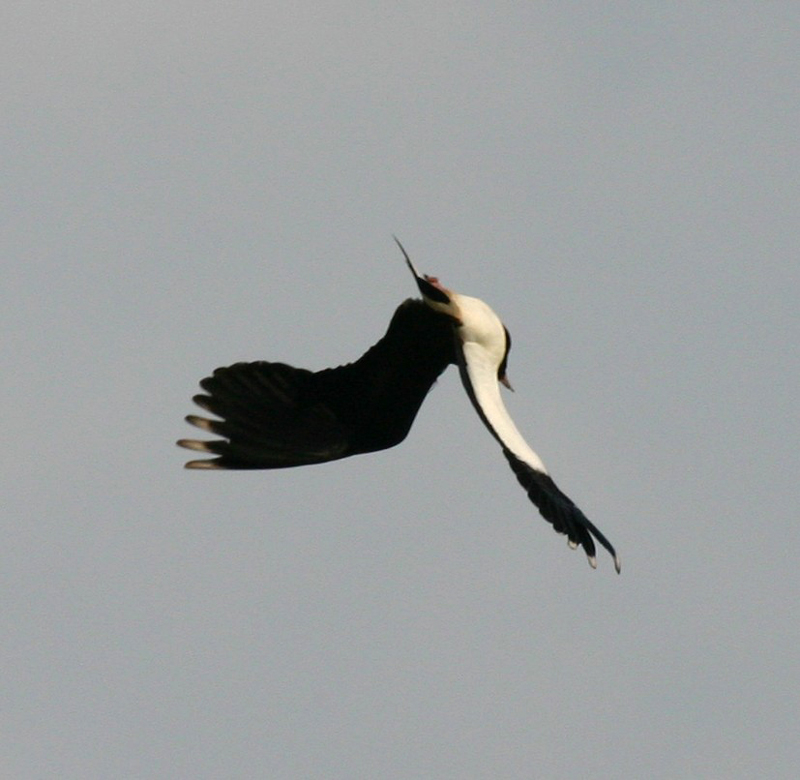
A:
186, 185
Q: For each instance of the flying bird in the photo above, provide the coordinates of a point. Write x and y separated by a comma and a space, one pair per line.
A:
273, 415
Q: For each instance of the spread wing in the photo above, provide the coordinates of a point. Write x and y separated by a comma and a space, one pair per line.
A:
270, 417
273, 415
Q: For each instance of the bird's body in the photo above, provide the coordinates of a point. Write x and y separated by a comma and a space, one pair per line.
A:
273, 415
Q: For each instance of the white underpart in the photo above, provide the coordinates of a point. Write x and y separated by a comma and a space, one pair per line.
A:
483, 346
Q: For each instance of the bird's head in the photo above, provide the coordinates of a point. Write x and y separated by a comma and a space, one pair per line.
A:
476, 321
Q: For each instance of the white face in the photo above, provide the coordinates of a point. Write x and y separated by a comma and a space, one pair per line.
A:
480, 325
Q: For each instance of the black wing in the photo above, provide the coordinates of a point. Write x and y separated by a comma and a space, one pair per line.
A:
273, 415
559, 510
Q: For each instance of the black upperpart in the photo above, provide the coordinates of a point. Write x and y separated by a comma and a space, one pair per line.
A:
274, 415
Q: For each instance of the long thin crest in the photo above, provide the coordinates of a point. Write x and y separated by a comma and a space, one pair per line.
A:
427, 288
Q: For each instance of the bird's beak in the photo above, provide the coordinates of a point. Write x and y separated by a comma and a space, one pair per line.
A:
504, 381
429, 286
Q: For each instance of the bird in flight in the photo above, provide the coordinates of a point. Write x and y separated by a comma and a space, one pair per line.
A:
273, 415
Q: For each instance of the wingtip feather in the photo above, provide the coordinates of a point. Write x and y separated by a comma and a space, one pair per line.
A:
203, 401
199, 422
202, 464
193, 444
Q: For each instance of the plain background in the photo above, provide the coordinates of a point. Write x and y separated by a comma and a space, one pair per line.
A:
187, 184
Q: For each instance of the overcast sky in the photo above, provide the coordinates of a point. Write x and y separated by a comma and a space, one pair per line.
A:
188, 184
